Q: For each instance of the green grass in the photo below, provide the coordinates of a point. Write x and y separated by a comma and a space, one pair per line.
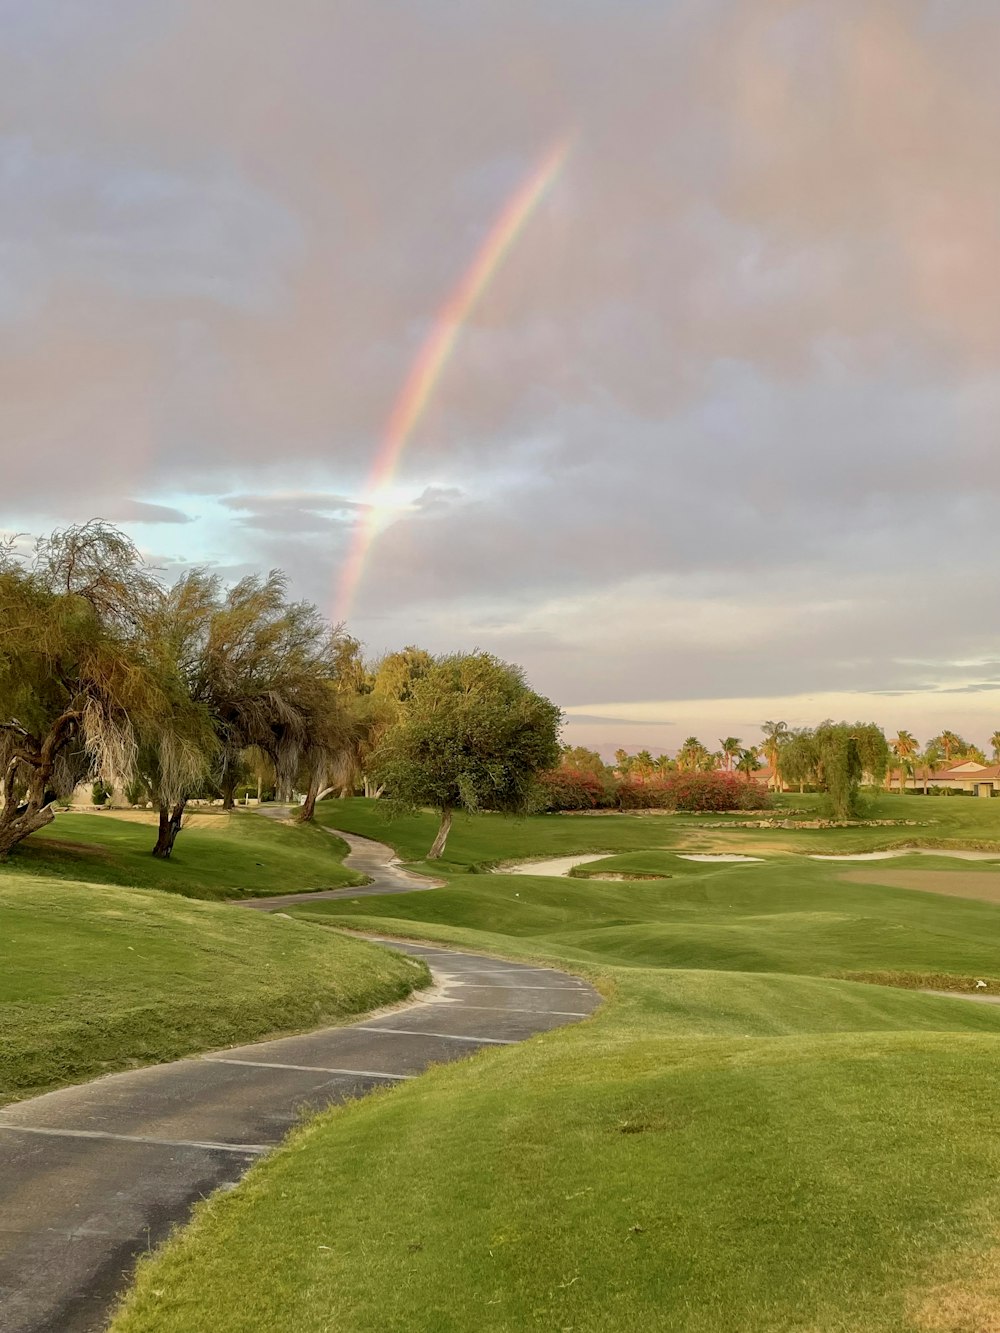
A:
738, 1142
238, 855
484, 840
95, 979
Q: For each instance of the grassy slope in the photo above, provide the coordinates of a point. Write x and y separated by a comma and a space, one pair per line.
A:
94, 979
239, 855
729, 1146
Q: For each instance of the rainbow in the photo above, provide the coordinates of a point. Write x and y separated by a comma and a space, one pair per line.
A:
433, 356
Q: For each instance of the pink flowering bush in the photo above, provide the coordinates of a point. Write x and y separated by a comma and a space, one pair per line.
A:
572, 789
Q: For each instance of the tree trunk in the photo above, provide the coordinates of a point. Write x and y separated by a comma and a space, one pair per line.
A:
170, 826
437, 849
20, 825
308, 810
228, 792
19, 819
260, 787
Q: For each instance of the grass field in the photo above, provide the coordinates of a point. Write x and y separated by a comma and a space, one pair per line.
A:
95, 979
237, 855
485, 840
738, 1142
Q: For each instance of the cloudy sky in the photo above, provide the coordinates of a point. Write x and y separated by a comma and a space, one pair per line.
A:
719, 441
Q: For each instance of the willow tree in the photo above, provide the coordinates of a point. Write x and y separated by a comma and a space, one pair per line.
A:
798, 757
472, 736
846, 754
178, 756
255, 669
76, 685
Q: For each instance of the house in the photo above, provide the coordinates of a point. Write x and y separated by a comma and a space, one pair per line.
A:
966, 775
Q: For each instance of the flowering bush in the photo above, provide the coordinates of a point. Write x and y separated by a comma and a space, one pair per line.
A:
572, 789
633, 793
575, 789
715, 791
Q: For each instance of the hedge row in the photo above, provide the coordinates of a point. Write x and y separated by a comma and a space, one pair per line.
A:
575, 789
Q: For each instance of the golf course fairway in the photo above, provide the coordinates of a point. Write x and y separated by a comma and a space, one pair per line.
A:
740, 1138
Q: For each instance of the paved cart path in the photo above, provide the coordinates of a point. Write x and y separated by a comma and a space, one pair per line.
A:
91, 1176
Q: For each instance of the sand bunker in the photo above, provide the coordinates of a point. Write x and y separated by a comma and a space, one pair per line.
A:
979, 884
550, 865
715, 856
906, 851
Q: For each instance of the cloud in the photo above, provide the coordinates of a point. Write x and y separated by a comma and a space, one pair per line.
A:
298, 514
722, 425
138, 511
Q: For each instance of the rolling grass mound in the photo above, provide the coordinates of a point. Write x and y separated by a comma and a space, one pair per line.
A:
96, 979
219, 855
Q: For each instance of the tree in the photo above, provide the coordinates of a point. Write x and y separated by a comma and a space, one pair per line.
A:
906, 748
75, 685
995, 745
845, 754
582, 760
929, 761
694, 757
748, 761
473, 736
730, 747
774, 737
798, 757
260, 673
950, 744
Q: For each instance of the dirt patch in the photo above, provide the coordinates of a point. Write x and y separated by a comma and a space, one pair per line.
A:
981, 884
968, 1304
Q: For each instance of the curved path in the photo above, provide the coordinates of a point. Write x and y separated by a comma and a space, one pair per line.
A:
93, 1175
374, 859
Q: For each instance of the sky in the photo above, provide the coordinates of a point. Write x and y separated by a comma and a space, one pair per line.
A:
717, 443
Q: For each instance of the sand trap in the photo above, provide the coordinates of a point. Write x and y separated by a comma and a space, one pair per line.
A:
978, 884
550, 865
908, 851
715, 856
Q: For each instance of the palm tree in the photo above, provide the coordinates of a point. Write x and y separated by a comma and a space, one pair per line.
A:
748, 760
929, 761
995, 742
775, 734
950, 744
905, 747
730, 747
692, 755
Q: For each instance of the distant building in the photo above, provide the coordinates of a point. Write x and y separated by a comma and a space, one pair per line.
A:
967, 776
